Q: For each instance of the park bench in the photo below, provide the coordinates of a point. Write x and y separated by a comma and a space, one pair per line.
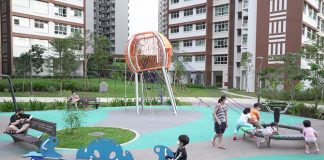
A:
46, 127
85, 102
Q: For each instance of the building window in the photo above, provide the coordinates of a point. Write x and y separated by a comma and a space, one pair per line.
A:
175, 45
200, 58
174, 1
187, 28
187, 58
221, 26
200, 10
310, 12
77, 47
220, 43
77, 12
60, 11
188, 12
175, 15
314, 15
200, 42
174, 29
16, 21
187, 43
220, 59
200, 26
76, 29
40, 23
60, 28
305, 8
221, 10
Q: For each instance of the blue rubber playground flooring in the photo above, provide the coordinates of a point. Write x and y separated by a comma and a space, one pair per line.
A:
198, 130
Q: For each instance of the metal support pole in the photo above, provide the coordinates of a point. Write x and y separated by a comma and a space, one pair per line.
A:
167, 82
11, 91
142, 90
136, 92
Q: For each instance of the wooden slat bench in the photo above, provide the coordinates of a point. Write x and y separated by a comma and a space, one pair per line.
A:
39, 125
85, 102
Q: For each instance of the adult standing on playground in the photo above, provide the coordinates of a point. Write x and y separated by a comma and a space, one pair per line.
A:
220, 121
19, 122
255, 116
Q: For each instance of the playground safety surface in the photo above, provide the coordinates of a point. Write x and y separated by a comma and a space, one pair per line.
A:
157, 126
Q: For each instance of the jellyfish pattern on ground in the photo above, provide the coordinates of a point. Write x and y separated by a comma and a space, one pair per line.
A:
103, 149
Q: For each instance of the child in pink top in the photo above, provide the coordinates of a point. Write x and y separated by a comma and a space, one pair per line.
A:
310, 136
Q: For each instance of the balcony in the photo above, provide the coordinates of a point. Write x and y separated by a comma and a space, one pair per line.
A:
245, 24
245, 4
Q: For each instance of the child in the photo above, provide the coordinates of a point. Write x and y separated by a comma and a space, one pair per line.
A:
310, 136
243, 121
181, 153
267, 132
255, 116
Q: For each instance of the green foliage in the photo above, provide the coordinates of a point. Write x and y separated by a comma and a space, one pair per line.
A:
313, 54
116, 73
101, 59
179, 71
6, 106
72, 120
64, 60
305, 111
245, 59
21, 64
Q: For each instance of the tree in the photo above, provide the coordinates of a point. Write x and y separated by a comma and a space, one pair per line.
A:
20, 65
36, 57
64, 59
313, 54
179, 71
101, 58
291, 70
117, 71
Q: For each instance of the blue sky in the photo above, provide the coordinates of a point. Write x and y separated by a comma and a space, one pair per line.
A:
143, 16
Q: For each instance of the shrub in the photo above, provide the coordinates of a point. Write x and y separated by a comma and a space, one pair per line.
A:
6, 106
72, 120
306, 111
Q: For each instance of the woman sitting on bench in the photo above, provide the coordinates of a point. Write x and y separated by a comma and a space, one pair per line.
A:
19, 122
74, 99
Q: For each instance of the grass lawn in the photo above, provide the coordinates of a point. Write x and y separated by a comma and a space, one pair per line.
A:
113, 91
81, 137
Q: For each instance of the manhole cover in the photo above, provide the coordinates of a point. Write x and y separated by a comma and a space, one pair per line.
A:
96, 134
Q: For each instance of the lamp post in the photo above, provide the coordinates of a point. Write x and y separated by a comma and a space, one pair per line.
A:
259, 82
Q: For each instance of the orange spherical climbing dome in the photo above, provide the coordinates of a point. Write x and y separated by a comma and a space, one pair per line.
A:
148, 51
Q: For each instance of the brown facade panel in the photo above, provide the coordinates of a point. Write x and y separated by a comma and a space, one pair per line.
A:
231, 45
292, 36
209, 43
6, 41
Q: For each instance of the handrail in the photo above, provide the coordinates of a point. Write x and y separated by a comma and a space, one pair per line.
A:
289, 105
11, 90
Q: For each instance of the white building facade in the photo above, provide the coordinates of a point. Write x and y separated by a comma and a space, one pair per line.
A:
36, 22
198, 31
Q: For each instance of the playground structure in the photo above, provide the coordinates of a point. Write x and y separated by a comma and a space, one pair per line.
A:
146, 52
